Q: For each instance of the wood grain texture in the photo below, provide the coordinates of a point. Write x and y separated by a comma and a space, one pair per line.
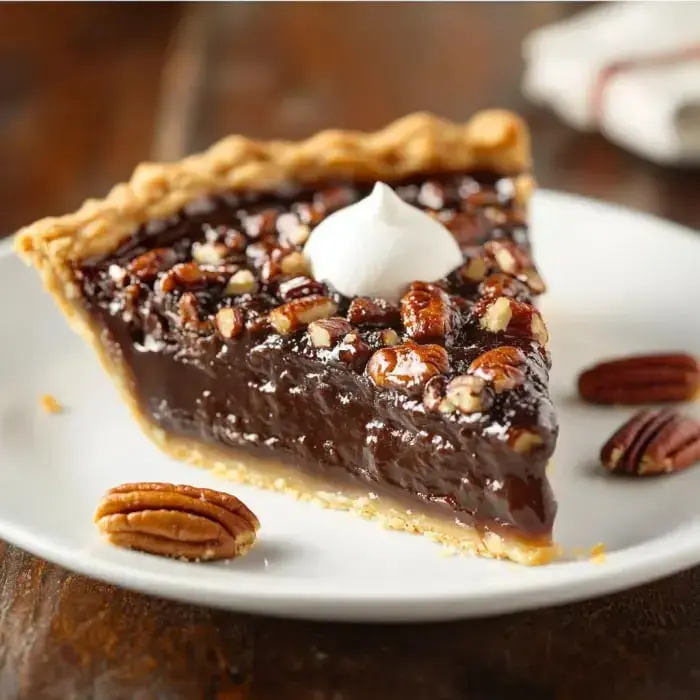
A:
79, 102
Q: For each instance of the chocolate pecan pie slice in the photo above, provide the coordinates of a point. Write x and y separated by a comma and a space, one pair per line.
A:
431, 414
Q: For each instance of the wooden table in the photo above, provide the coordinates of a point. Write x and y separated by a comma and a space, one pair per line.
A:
85, 93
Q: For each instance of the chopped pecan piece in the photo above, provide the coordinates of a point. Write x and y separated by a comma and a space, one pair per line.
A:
640, 379
147, 266
177, 521
190, 276
503, 367
326, 332
426, 312
294, 264
262, 224
298, 313
190, 318
292, 231
653, 442
407, 367
354, 352
512, 259
500, 284
514, 317
209, 253
301, 286
229, 322
241, 282
364, 311
524, 441
475, 269
466, 394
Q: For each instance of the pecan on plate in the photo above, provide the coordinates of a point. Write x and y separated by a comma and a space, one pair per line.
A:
653, 442
641, 379
184, 522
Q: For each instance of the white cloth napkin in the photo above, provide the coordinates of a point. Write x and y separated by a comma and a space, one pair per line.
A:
630, 70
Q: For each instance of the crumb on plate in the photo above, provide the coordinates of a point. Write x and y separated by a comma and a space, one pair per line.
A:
597, 554
50, 404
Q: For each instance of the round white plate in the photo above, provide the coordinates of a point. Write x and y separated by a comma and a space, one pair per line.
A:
619, 282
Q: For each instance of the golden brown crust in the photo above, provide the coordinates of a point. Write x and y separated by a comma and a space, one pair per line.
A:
494, 139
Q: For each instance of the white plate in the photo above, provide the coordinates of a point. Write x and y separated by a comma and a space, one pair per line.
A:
619, 282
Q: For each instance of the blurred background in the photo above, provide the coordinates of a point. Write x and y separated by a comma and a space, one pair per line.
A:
89, 90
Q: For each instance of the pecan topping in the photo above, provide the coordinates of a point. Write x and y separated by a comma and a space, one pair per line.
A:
514, 317
499, 284
466, 394
209, 253
294, 264
364, 311
653, 442
354, 352
177, 521
298, 313
389, 337
147, 266
512, 259
229, 322
326, 332
242, 282
408, 366
641, 379
474, 270
190, 275
189, 314
426, 312
502, 367
524, 441
261, 224
292, 230
297, 287
434, 392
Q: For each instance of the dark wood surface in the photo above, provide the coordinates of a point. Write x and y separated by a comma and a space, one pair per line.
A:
85, 93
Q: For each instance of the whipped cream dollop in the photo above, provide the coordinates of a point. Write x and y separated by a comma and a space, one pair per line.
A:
379, 245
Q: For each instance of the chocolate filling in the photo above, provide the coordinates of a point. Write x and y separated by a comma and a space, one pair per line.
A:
278, 397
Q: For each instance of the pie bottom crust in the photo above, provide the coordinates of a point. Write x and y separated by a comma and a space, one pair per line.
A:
276, 476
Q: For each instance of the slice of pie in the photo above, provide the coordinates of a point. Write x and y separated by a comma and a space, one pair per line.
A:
431, 414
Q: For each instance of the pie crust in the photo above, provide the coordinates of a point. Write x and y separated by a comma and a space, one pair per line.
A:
494, 140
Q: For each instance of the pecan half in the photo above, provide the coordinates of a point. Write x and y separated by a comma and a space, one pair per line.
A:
426, 312
503, 367
641, 379
407, 367
364, 311
653, 442
177, 521
298, 313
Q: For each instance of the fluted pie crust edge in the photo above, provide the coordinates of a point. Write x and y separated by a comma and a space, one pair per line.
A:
492, 140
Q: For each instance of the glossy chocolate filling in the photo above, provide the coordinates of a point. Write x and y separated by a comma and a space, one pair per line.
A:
278, 397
